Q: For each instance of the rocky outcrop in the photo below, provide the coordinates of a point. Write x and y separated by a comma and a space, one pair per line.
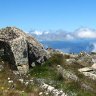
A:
66, 74
52, 91
21, 49
85, 60
36, 53
89, 72
94, 66
48, 89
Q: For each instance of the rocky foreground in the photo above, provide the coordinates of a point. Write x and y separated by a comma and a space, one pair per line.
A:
60, 75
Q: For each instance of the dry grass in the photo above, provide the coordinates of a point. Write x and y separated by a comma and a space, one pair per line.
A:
16, 88
48, 71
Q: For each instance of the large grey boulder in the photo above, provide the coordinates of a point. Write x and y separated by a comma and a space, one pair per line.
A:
21, 49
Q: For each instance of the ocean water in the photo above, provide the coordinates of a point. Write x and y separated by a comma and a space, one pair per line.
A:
75, 46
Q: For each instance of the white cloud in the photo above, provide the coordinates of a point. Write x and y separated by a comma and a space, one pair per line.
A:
46, 32
38, 32
85, 33
88, 34
94, 49
69, 37
81, 33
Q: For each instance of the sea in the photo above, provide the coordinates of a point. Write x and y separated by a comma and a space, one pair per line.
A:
74, 46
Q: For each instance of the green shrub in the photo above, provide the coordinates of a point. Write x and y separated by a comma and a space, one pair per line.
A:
56, 59
66, 56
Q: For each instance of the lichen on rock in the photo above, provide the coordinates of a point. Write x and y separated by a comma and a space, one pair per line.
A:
21, 49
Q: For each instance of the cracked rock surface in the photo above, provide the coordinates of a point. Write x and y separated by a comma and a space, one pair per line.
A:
21, 49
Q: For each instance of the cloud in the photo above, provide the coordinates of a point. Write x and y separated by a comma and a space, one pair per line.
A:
69, 37
37, 32
85, 33
81, 33
46, 32
94, 49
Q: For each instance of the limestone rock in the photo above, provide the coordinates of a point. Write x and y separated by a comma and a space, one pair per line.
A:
70, 61
85, 69
1, 67
94, 66
89, 72
51, 90
85, 60
20, 49
66, 74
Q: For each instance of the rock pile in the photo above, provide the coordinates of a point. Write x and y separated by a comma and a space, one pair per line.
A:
51, 90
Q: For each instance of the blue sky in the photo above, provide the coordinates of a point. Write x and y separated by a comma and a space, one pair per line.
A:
48, 14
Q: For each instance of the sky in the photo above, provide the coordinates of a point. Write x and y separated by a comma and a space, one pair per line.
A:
48, 14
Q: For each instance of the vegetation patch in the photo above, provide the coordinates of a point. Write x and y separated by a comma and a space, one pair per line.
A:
73, 88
